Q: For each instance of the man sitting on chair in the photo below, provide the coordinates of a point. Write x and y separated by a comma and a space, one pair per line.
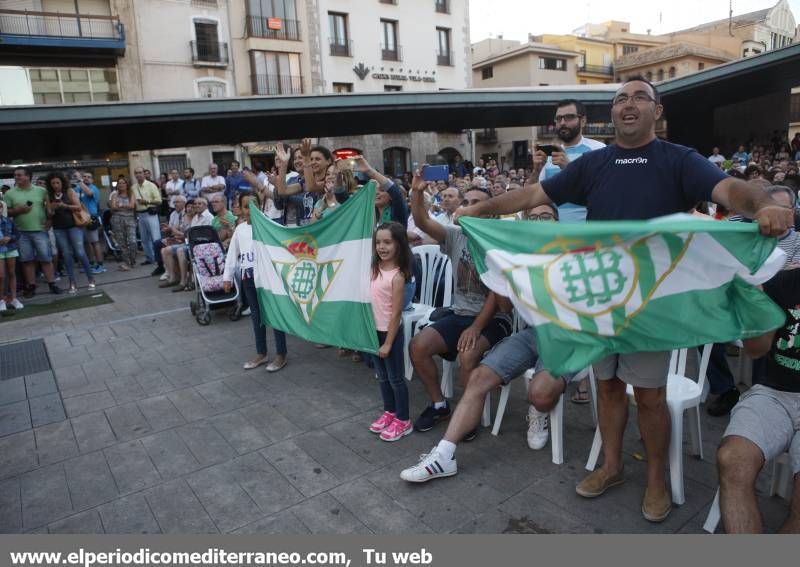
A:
472, 325
765, 422
510, 358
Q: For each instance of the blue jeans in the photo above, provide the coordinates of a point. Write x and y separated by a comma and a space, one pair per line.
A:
34, 245
391, 377
70, 243
259, 330
719, 374
149, 232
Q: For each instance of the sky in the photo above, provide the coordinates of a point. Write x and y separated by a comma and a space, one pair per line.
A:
514, 19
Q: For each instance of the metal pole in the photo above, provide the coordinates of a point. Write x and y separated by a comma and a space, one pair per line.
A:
78, 18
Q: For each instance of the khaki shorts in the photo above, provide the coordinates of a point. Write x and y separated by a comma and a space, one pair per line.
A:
640, 369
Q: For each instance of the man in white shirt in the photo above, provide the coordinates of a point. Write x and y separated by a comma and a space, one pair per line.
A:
716, 158
202, 216
451, 200
212, 184
173, 188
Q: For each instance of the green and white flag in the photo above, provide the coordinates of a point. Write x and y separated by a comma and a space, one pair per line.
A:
599, 288
313, 281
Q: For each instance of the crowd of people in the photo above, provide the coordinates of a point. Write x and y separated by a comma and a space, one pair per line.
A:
639, 176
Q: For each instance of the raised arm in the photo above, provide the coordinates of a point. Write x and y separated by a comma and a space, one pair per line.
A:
365, 167
308, 173
421, 218
753, 202
530, 196
282, 161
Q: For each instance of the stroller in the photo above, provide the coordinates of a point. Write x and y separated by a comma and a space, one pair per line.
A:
111, 244
208, 263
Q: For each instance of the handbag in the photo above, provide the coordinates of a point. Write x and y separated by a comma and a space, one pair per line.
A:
81, 216
94, 224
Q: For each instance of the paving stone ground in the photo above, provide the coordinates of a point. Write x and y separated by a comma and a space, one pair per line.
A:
148, 424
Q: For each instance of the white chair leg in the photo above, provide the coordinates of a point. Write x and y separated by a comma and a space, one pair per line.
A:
501, 407
712, 520
408, 367
781, 477
695, 433
557, 431
486, 418
593, 389
447, 378
594, 453
676, 459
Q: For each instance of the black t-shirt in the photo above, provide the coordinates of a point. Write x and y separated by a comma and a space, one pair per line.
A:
783, 360
657, 179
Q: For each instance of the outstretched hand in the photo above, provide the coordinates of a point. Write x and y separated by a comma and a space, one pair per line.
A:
774, 220
305, 147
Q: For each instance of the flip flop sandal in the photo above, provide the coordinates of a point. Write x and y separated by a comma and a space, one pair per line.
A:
580, 397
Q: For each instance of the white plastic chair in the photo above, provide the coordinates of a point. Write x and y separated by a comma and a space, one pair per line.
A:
436, 270
683, 394
781, 485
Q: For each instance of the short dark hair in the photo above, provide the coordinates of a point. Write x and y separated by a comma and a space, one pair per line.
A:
236, 162
190, 169
27, 170
641, 79
579, 108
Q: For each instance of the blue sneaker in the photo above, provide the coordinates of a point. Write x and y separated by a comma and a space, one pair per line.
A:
431, 416
97, 270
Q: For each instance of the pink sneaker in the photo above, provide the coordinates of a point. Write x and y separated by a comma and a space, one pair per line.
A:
382, 422
396, 430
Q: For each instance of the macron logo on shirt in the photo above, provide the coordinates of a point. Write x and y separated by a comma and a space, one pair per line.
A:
631, 161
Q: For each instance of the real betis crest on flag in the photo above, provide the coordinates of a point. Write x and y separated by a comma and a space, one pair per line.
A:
313, 281
617, 287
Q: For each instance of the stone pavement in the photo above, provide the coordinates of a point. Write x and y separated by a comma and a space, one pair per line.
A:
148, 424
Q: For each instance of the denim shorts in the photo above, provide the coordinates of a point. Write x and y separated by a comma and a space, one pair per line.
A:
9, 254
512, 356
34, 245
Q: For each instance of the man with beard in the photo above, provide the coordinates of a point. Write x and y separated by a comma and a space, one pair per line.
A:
570, 119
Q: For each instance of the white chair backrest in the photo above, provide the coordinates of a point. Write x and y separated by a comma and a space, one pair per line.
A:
677, 363
436, 271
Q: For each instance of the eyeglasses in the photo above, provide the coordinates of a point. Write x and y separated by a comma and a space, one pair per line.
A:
541, 217
567, 118
638, 98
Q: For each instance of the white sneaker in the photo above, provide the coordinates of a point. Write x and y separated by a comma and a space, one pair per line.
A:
246, 312
16, 303
2, 305
430, 466
538, 428
164, 277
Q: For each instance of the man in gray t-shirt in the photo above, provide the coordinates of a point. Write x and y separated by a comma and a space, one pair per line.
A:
469, 293
474, 323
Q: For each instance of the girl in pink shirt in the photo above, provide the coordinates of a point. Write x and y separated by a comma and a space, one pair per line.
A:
390, 273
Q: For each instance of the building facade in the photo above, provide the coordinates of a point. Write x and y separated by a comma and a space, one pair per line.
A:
396, 45
595, 63
508, 63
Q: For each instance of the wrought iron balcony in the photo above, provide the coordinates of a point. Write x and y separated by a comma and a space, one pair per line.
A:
43, 33
392, 53
607, 71
341, 48
260, 27
277, 84
445, 59
209, 53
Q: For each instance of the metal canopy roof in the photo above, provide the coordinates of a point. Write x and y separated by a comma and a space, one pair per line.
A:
41, 132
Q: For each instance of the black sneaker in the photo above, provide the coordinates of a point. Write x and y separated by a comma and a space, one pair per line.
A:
431, 416
54, 289
158, 271
471, 435
723, 404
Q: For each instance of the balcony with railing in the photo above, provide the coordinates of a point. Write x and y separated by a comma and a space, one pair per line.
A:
605, 70
341, 48
597, 129
391, 53
272, 28
276, 85
44, 33
486, 136
209, 53
445, 59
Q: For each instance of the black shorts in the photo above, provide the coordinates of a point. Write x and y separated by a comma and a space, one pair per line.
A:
451, 327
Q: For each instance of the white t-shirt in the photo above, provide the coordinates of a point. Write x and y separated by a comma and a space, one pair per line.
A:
203, 219
173, 189
240, 251
209, 181
719, 158
268, 208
